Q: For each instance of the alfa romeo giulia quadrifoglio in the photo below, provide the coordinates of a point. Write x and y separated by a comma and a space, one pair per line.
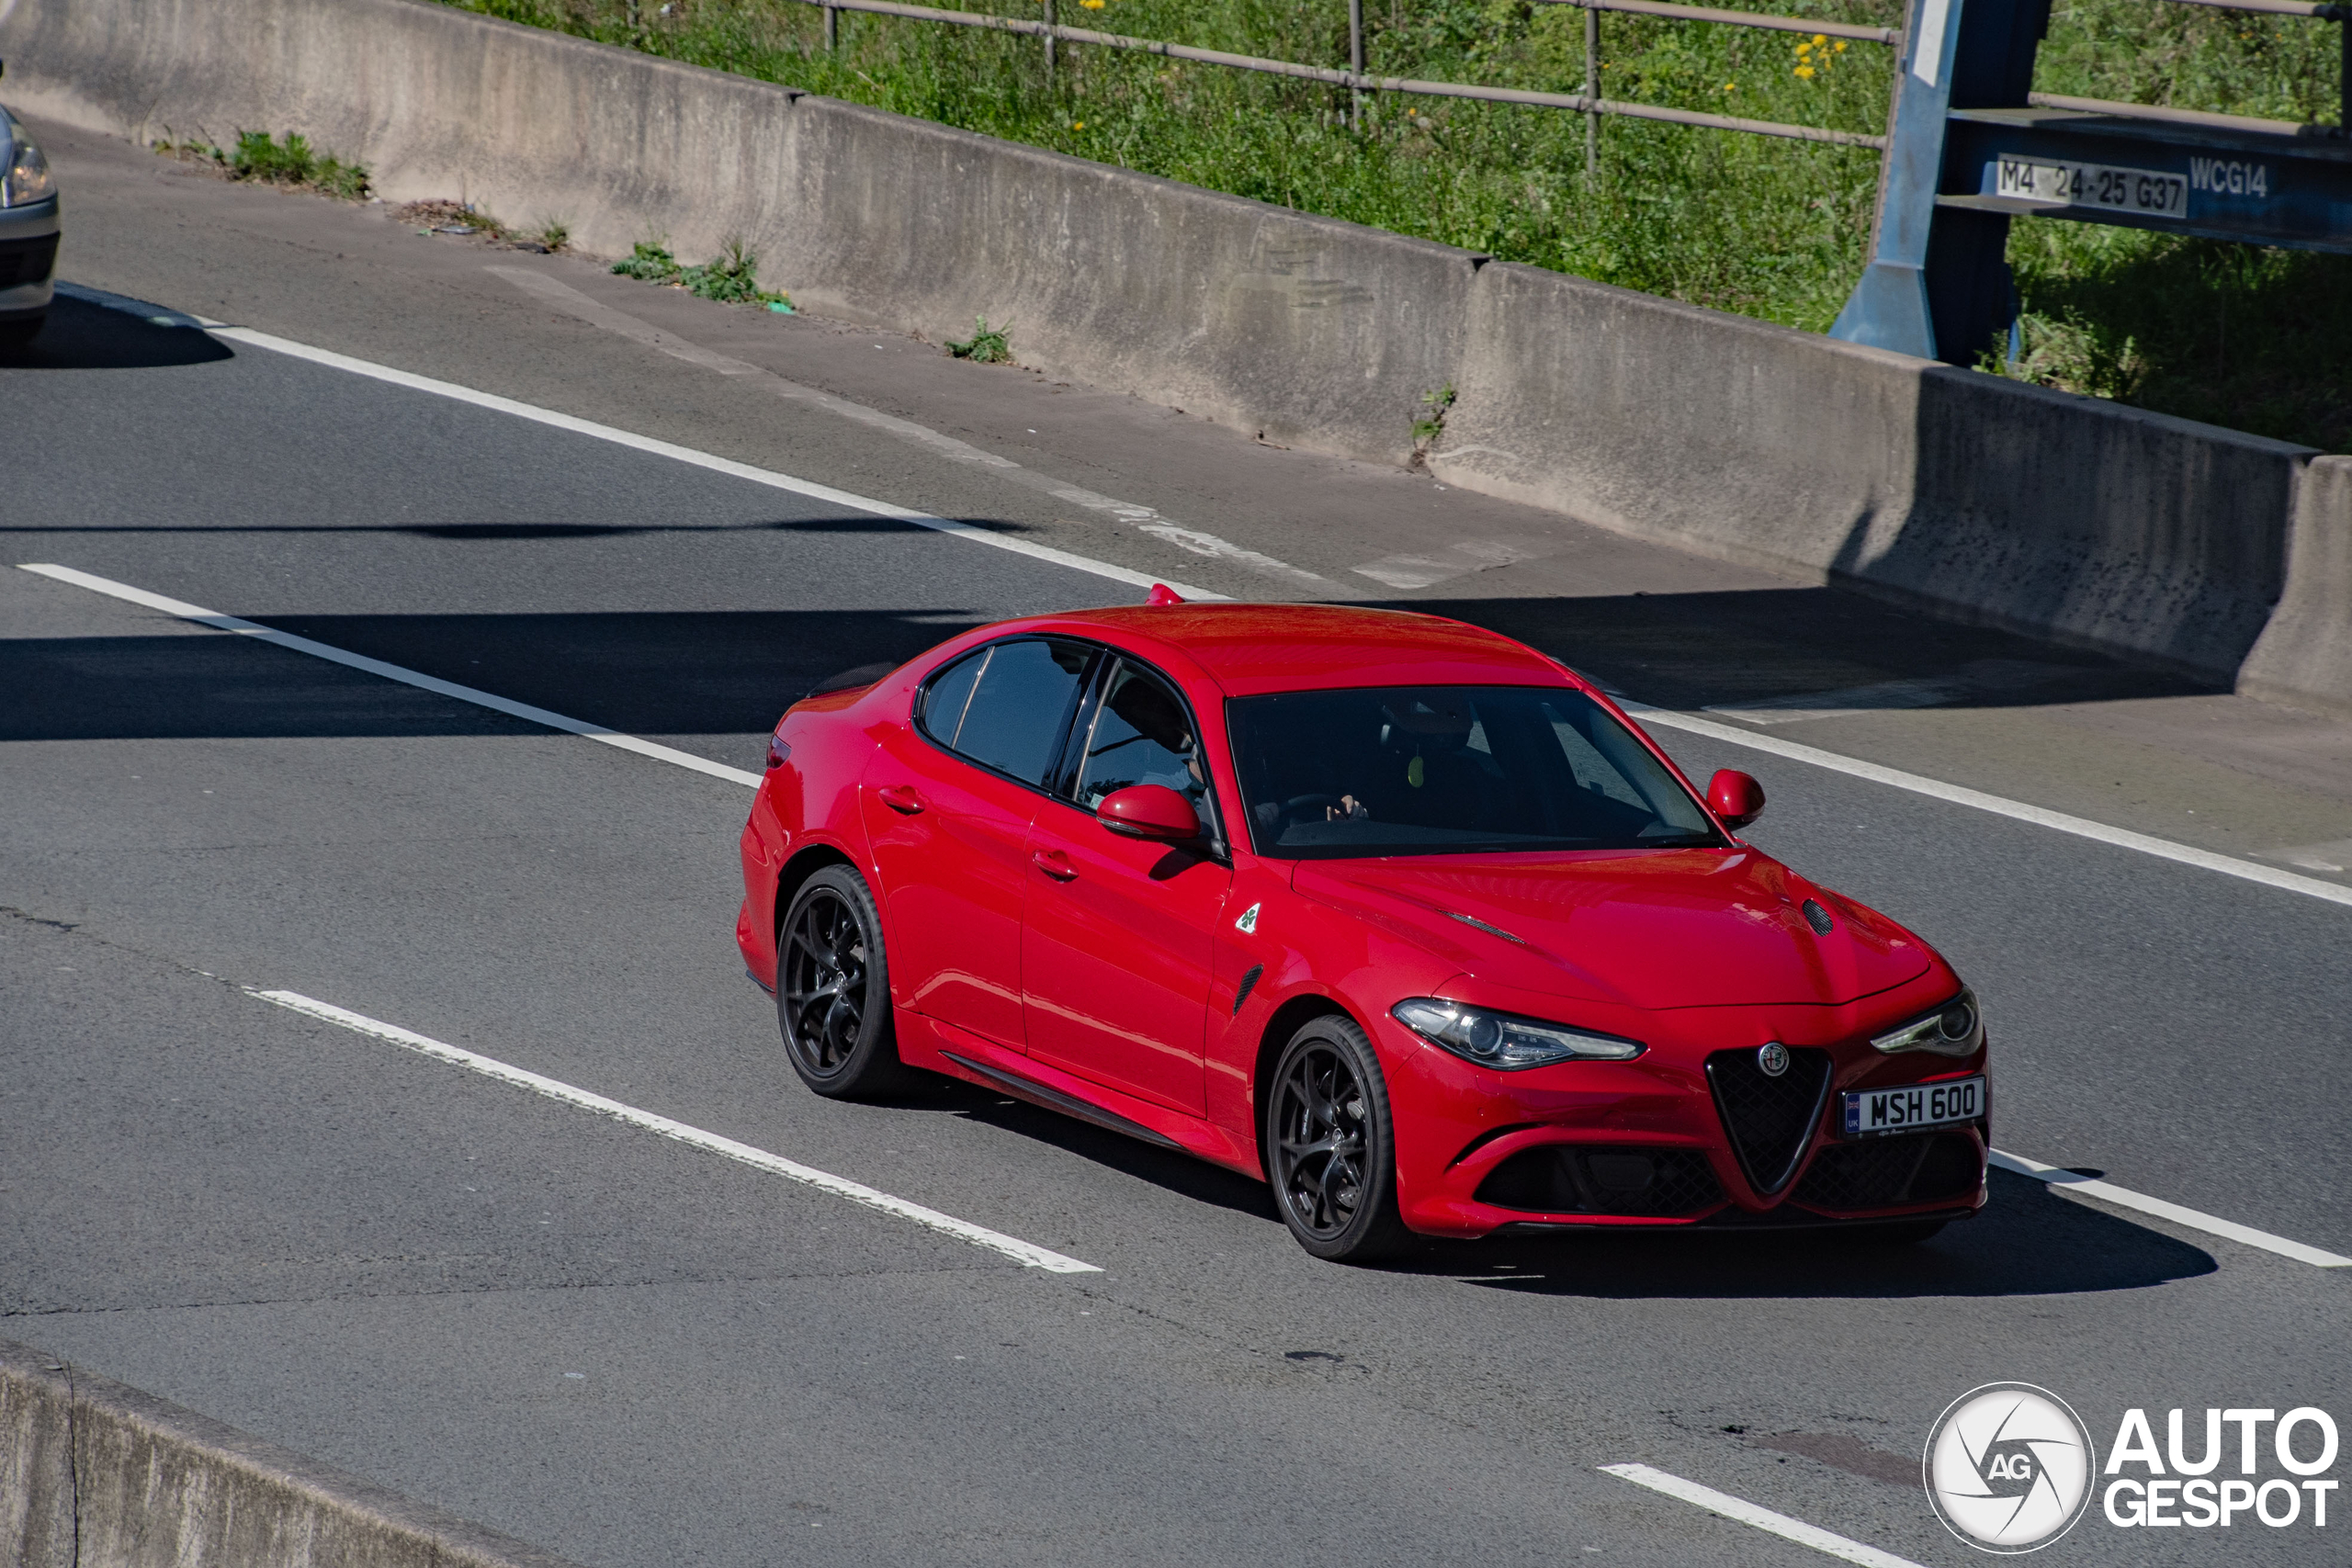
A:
1397, 915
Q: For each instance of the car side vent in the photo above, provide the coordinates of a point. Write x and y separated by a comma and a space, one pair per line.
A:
1769, 1119
1248, 983
1818, 919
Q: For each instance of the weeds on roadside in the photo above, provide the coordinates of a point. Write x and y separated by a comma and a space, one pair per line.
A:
289, 161
986, 345
731, 277
1431, 426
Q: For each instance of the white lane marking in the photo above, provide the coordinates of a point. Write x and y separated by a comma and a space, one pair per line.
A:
2059, 822
686, 455
218, 622
1748, 1513
2123, 1197
1143, 519
1020, 1251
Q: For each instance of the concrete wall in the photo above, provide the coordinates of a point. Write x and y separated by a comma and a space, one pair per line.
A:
2305, 653
97, 1475
1969, 496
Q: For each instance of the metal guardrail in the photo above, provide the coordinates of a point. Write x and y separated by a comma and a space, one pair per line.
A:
1358, 81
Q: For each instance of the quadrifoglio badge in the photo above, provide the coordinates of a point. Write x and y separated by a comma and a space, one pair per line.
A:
2010, 1468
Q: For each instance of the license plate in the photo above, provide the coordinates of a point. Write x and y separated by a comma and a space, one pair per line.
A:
1872, 1112
2055, 184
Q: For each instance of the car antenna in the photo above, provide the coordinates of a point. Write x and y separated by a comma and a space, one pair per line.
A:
1163, 594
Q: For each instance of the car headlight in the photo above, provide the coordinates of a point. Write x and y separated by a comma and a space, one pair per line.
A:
1955, 1029
27, 178
1502, 1041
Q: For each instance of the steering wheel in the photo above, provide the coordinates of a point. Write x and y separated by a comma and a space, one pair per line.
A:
1294, 808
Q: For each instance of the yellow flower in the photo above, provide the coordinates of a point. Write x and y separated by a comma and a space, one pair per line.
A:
1731, 86
1839, 46
1820, 39
1805, 71
1078, 125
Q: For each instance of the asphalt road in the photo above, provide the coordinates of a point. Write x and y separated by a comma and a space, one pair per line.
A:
632, 1352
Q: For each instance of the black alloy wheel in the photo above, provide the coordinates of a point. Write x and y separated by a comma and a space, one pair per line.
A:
1330, 1152
832, 990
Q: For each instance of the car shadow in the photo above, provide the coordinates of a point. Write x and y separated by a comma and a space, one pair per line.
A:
2027, 1241
82, 336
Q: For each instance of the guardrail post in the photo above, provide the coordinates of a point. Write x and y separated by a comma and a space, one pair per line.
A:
1049, 45
1591, 90
1355, 62
832, 33
1937, 285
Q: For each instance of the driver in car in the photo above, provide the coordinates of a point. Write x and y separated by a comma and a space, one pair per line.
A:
1427, 742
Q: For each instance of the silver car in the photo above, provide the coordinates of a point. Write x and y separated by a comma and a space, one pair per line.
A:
28, 231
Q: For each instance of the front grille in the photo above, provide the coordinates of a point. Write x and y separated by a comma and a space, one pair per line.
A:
1883, 1173
27, 261
1769, 1119
1571, 1178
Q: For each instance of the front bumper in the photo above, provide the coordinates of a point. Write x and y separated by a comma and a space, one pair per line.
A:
1648, 1145
28, 237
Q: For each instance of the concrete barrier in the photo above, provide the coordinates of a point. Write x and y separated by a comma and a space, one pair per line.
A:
97, 1475
2305, 654
1969, 496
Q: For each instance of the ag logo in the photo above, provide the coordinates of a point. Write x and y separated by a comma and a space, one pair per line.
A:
2008, 1468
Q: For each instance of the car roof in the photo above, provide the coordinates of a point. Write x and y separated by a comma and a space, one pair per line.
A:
1252, 649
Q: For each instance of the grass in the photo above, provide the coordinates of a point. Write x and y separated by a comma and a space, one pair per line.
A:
986, 345
731, 277
1764, 227
285, 161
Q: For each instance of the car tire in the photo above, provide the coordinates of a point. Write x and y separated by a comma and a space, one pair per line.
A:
1330, 1145
833, 989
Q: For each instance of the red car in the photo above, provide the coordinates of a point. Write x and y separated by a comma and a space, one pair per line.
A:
1397, 915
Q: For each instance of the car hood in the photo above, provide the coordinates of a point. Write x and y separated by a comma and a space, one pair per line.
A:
1647, 928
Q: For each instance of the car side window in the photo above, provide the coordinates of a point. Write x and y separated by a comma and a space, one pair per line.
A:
1142, 733
1005, 706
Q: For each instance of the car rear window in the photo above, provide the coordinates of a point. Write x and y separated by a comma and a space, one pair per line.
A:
1006, 706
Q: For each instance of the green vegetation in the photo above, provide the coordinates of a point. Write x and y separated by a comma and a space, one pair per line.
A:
288, 160
1766, 227
731, 277
985, 345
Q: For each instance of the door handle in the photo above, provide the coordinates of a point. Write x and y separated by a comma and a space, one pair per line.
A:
1053, 863
900, 798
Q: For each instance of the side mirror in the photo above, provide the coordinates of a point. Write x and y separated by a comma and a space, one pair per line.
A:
1149, 811
1734, 798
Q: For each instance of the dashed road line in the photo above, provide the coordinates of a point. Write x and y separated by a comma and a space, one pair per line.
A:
1023, 1252
213, 618
631, 439
1746, 1513
1143, 519
2123, 1197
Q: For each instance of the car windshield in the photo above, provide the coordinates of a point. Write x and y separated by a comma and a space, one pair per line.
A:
1450, 770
